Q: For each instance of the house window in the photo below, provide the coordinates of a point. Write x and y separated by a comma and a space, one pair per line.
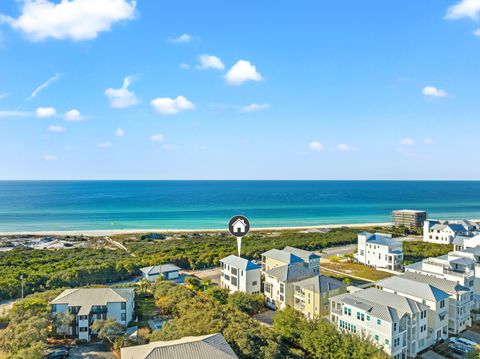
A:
379, 322
282, 288
83, 329
282, 298
54, 308
234, 281
124, 317
234, 271
387, 342
254, 282
123, 305
368, 317
377, 337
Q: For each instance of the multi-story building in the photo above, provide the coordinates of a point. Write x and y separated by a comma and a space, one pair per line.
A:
240, 275
444, 232
398, 324
460, 301
462, 242
90, 304
276, 258
409, 218
379, 251
311, 295
279, 281
165, 271
435, 299
310, 259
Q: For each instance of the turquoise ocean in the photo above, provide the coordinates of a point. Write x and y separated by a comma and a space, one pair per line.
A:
105, 205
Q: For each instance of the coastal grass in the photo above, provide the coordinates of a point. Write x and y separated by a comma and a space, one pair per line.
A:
357, 270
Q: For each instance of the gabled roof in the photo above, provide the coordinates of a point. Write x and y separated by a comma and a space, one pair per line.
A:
240, 263
85, 298
379, 239
301, 253
445, 285
320, 284
162, 268
380, 304
290, 273
213, 346
421, 290
282, 256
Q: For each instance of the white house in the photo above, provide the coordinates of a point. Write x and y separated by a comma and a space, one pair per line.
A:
397, 324
379, 251
90, 304
278, 286
444, 232
240, 275
239, 226
434, 298
462, 242
310, 259
166, 271
460, 301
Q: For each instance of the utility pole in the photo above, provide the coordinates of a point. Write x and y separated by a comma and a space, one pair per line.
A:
21, 279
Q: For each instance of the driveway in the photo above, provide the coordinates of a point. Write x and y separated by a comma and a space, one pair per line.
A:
471, 335
265, 318
91, 351
432, 355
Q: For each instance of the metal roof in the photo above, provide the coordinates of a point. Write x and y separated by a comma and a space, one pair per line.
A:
418, 289
445, 285
305, 255
212, 346
162, 268
282, 256
320, 284
240, 263
290, 273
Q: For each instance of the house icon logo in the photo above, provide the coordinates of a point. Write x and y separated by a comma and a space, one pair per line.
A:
239, 226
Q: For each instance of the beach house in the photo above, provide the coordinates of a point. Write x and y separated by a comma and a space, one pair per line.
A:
434, 298
277, 258
90, 304
211, 346
444, 232
379, 250
460, 300
310, 259
166, 271
397, 324
311, 296
240, 275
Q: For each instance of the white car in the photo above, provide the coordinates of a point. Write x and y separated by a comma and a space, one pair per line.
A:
462, 342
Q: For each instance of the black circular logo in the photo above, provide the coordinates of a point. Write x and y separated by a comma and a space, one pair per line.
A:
239, 226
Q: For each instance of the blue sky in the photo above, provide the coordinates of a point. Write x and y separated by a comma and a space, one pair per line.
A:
113, 89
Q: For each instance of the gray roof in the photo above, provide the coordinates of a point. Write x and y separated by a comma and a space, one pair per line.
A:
305, 255
240, 263
282, 256
472, 250
418, 289
85, 298
380, 304
379, 239
212, 346
162, 268
290, 273
320, 284
445, 285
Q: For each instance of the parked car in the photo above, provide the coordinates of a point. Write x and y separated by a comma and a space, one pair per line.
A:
460, 349
462, 341
58, 354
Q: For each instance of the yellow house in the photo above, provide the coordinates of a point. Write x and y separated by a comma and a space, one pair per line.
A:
276, 258
311, 295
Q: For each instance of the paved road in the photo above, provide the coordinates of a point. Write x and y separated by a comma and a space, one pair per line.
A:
91, 351
471, 335
340, 250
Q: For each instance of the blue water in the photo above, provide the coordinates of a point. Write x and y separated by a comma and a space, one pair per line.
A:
89, 205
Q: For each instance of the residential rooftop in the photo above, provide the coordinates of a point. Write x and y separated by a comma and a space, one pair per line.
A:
320, 284
162, 268
445, 285
282, 256
290, 273
411, 287
240, 263
301, 253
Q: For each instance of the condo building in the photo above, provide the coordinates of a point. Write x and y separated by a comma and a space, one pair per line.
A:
396, 323
409, 218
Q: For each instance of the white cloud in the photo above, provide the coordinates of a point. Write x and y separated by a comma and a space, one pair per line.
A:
122, 97
255, 107
54, 128
43, 86
170, 106
44, 112
433, 91
407, 142
343, 147
316, 146
105, 145
73, 115
210, 62
182, 39
157, 138
428, 141
477, 32
119, 132
74, 19
241, 72
465, 8
50, 158
14, 114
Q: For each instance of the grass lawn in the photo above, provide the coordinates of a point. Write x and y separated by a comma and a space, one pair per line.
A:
356, 269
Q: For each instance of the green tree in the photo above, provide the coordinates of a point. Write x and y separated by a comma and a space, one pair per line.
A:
109, 329
62, 321
247, 303
220, 295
